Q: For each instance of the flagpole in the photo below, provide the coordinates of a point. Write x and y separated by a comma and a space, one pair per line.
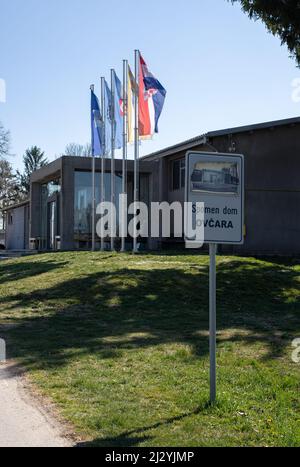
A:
112, 110
103, 151
125, 140
93, 185
136, 142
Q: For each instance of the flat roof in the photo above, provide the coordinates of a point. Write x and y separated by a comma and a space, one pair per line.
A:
15, 206
255, 127
201, 139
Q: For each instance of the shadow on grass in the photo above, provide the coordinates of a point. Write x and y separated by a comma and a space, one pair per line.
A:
17, 271
108, 313
137, 436
280, 261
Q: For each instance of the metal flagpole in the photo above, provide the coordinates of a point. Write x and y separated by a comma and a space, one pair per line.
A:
125, 138
136, 141
112, 110
213, 322
93, 186
103, 151
94, 205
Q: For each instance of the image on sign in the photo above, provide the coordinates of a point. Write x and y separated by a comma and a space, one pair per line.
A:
217, 181
215, 177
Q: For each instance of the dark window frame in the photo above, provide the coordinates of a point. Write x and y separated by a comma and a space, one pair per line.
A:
180, 167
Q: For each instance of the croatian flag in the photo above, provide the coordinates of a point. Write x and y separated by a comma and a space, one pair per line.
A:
151, 101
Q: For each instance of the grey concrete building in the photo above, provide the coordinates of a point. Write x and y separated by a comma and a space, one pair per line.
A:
61, 193
61, 200
272, 181
16, 235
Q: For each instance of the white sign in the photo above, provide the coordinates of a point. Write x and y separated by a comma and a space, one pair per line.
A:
217, 180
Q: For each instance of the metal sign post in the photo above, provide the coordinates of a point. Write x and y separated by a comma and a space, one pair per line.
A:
217, 182
213, 322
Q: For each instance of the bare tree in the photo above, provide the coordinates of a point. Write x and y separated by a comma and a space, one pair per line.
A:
4, 142
78, 150
9, 190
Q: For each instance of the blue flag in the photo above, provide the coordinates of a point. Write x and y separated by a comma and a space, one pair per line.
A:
96, 126
107, 117
118, 113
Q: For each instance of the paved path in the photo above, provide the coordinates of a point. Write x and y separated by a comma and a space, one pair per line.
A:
23, 421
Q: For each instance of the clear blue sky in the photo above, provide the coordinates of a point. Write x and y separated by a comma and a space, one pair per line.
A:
219, 68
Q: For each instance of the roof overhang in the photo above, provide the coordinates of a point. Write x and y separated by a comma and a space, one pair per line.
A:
204, 138
185, 146
15, 206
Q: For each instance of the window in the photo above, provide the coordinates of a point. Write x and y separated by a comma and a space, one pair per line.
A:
178, 174
53, 188
83, 203
49, 192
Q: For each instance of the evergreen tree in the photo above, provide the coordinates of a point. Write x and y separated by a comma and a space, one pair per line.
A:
281, 17
33, 160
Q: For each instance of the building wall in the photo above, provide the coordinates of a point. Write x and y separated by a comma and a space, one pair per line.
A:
26, 226
17, 228
272, 186
272, 183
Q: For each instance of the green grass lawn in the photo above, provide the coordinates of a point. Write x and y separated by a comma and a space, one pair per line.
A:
120, 344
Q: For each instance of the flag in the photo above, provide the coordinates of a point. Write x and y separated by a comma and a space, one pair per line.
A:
107, 117
96, 126
151, 101
118, 112
132, 89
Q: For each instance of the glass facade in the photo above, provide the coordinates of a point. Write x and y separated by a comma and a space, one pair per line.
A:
83, 204
83, 201
49, 230
49, 214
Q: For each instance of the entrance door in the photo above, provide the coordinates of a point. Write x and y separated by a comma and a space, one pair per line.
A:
52, 225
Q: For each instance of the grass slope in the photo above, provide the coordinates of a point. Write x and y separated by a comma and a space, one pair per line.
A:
120, 343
